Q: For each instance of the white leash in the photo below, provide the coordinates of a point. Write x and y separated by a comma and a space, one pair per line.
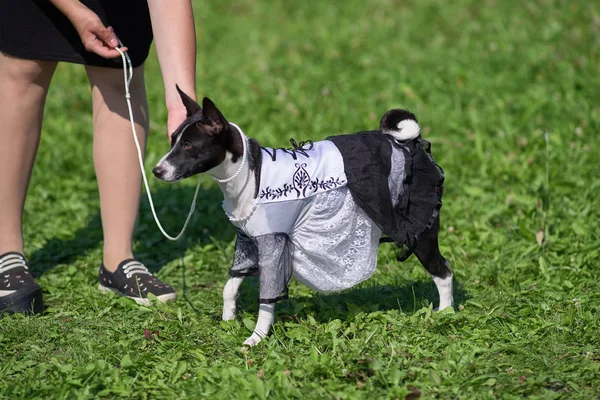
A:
127, 77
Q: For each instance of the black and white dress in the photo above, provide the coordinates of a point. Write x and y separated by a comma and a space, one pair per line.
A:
321, 209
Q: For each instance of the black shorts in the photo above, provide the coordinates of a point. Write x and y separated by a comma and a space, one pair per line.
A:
35, 29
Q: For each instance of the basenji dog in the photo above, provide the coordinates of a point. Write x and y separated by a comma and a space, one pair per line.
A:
298, 212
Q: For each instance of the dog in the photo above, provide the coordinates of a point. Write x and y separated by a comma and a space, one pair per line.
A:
316, 211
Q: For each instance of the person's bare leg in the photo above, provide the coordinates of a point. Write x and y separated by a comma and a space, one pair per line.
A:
115, 157
23, 89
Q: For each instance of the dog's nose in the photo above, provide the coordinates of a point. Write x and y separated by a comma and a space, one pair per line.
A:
159, 171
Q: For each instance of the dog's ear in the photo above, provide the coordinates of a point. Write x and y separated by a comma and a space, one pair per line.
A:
212, 116
190, 105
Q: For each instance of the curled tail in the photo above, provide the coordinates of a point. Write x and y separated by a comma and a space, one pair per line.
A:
400, 124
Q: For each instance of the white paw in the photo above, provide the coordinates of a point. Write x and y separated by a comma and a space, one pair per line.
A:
445, 305
252, 340
444, 286
228, 314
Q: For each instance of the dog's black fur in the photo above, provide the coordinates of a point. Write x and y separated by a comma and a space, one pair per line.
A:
390, 119
201, 142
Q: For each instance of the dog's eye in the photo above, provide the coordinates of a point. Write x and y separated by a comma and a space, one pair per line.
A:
186, 145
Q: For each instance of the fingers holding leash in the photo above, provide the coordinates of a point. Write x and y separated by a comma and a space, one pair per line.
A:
100, 40
96, 37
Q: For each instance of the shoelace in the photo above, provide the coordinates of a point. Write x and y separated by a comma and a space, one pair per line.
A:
135, 267
11, 261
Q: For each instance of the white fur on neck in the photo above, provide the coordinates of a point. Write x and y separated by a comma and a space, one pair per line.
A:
238, 193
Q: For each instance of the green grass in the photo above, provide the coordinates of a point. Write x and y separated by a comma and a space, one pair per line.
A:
487, 79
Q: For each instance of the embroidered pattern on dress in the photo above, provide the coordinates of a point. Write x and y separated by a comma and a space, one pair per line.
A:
301, 182
299, 172
301, 179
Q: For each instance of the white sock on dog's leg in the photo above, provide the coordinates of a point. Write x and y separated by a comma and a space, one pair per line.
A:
266, 315
230, 292
444, 286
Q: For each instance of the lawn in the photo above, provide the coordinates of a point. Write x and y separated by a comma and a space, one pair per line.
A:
508, 94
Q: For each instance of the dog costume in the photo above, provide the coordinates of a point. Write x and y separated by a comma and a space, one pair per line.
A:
321, 209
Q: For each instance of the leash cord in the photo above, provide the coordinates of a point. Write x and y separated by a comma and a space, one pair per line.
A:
128, 76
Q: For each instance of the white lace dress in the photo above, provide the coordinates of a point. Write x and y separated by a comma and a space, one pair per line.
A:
335, 246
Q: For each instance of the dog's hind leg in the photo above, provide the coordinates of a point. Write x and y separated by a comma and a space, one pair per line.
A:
230, 293
428, 253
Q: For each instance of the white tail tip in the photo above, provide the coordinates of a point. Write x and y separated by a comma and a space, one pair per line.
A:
407, 129
400, 124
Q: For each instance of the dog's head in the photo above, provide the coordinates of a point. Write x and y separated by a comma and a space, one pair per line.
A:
199, 144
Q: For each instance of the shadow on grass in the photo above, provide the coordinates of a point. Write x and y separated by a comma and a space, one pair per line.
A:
408, 297
208, 224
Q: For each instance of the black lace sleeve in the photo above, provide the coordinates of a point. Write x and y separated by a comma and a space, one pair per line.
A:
245, 259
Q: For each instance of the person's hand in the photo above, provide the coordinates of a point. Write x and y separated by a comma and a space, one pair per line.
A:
96, 38
175, 117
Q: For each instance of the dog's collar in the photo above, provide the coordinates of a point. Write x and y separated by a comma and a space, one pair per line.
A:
244, 157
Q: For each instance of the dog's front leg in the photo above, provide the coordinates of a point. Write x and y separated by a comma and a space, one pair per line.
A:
230, 293
275, 270
266, 315
245, 262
